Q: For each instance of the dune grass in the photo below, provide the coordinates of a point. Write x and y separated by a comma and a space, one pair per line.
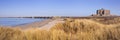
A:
11, 34
71, 29
88, 30
107, 20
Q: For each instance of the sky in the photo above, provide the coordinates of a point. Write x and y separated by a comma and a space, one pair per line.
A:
15, 8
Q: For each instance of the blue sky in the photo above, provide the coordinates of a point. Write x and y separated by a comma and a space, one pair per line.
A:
56, 7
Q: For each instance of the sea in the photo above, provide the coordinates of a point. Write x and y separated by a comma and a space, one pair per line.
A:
18, 21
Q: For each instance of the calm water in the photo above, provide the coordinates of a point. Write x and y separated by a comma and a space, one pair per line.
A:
17, 21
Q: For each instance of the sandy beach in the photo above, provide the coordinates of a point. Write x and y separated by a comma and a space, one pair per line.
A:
51, 24
34, 24
45, 24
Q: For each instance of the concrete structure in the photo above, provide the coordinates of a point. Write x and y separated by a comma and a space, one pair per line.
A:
102, 12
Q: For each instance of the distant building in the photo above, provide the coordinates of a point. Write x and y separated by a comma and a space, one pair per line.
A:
102, 12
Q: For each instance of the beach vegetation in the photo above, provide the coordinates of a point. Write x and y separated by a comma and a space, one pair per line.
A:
71, 29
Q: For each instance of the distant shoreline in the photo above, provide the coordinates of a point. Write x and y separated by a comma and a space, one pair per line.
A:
46, 21
50, 17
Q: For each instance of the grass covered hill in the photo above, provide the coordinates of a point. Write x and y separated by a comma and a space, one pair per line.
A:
71, 29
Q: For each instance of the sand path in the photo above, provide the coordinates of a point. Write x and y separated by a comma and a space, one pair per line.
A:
51, 24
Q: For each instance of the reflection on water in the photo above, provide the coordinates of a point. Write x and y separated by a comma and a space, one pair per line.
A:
16, 21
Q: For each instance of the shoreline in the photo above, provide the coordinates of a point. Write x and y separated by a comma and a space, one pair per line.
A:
35, 24
44, 24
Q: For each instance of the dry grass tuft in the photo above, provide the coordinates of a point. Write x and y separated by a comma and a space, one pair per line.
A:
36, 34
11, 34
